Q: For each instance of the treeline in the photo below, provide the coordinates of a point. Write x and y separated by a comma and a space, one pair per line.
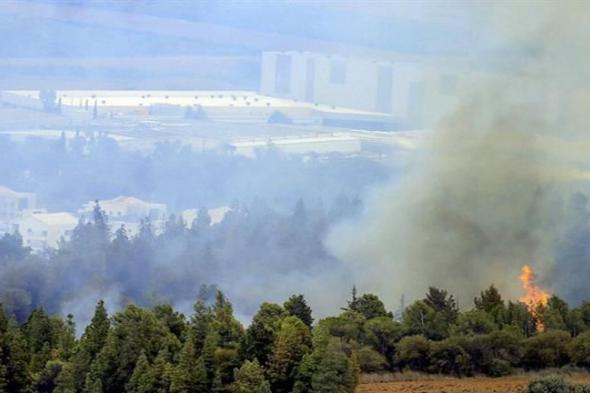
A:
494, 338
160, 350
170, 265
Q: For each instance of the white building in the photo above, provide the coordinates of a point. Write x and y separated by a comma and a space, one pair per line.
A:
126, 208
412, 92
42, 230
27, 100
12, 206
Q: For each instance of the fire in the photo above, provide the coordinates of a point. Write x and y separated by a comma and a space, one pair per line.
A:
534, 296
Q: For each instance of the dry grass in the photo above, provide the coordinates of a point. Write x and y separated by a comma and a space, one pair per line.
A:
410, 382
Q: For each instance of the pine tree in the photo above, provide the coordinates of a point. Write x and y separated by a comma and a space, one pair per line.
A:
142, 380
162, 370
199, 326
17, 364
249, 378
91, 343
297, 306
65, 382
261, 334
293, 342
191, 373
440, 301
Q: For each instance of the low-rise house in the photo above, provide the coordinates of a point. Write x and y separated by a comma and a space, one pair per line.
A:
13, 205
41, 230
124, 209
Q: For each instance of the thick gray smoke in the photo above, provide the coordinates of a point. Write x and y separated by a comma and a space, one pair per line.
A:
487, 191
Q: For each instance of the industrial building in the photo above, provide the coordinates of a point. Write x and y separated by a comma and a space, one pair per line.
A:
412, 92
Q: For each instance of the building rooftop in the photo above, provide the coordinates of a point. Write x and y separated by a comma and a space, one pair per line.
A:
10, 192
55, 219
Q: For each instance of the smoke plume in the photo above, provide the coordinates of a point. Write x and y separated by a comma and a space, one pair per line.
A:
488, 190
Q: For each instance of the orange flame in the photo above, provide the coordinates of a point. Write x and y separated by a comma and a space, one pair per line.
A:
534, 296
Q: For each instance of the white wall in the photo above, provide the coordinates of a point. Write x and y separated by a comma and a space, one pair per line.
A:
359, 90
38, 235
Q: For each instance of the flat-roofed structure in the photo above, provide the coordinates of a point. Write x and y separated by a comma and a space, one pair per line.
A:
41, 230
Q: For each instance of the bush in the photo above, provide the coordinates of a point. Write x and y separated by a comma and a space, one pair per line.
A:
550, 384
580, 350
494, 354
554, 384
499, 368
475, 322
370, 360
547, 349
413, 353
448, 357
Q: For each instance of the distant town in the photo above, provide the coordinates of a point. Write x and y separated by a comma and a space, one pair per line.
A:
42, 230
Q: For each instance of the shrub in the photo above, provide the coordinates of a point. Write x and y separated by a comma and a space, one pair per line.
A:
448, 357
499, 368
547, 349
412, 352
475, 322
370, 360
554, 384
550, 384
580, 350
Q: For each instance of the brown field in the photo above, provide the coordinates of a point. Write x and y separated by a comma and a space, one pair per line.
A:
454, 385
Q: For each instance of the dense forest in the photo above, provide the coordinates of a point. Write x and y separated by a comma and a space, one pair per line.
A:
282, 350
149, 345
170, 264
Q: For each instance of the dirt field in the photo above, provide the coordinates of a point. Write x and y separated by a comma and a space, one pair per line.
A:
450, 385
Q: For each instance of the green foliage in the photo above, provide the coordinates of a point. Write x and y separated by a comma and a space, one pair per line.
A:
249, 378
199, 324
142, 380
65, 382
475, 322
413, 352
332, 367
91, 343
292, 344
297, 307
335, 371
349, 325
443, 303
15, 361
368, 305
489, 300
382, 334
448, 357
579, 350
518, 316
134, 330
370, 361
554, 384
262, 332
174, 321
46, 379
421, 319
547, 349
156, 350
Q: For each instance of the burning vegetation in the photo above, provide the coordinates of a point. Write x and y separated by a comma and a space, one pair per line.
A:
535, 297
